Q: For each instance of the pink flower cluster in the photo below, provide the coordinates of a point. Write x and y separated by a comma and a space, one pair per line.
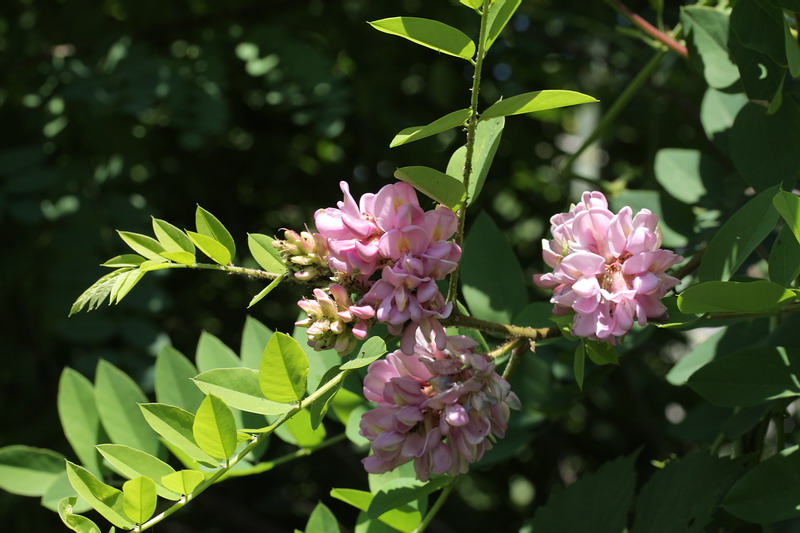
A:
388, 232
439, 407
608, 268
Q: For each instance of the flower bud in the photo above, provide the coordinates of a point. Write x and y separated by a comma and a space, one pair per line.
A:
305, 253
333, 320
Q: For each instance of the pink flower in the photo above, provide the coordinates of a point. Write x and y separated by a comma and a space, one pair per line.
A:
608, 268
333, 321
438, 407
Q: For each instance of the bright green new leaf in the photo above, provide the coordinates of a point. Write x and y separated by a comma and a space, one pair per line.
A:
603, 497
445, 189
734, 297
255, 337
239, 388
175, 242
738, 237
183, 481
784, 258
370, 351
98, 291
535, 101
402, 491
749, 377
500, 12
322, 520
81, 524
487, 139
213, 353
684, 495
429, 33
474, 4
143, 245
106, 500
133, 463
29, 471
579, 364
494, 285
788, 205
415, 133
175, 426
79, 418
139, 499
265, 291
769, 492
214, 428
298, 431
601, 353
283, 373
116, 396
211, 247
208, 225
265, 254
174, 373
124, 284
681, 173
124, 260
707, 41
404, 518
184, 258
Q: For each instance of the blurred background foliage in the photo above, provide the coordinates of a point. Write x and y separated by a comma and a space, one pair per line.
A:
114, 111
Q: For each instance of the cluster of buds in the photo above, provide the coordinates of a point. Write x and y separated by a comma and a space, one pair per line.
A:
440, 408
305, 253
609, 268
334, 321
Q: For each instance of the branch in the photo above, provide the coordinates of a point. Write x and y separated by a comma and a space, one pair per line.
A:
650, 30
503, 330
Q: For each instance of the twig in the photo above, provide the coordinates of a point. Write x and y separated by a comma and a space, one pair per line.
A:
650, 30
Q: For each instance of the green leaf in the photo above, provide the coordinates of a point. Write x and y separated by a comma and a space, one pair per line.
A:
265, 254
789, 5
79, 418
404, 518
132, 463
684, 495
106, 500
579, 364
175, 426
211, 247
298, 431
500, 13
322, 520
124, 284
143, 245
535, 101
429, 33
116, 396
717, 114
493, 282
29, 471
184, 258
707, 41
208, 225
784, 258
75, 522
265, 291
674, 236
98, 291
792, 50
733, 296
174, 240
738, 237
749, 377
474, 4
601, 353
487, 139
124, 260
239, 388
370, 351
759, 26
698, 357
763, 146
761, 77
255, 337
183, 481
283, 373
213, 353
61, 489
174, 373
399, 492
352, 427
139, 499
681, 173
788, 206
415, 133
768, 492
603, 498
214, 428
319, 408
445, 189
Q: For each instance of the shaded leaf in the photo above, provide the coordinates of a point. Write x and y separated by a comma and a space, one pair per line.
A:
322, 520
733, 296
75, 522
788, 206
79, 419
707, 41
29, 471
213, 353
299, 431
174, 373
579, 364
784, 258
255, 337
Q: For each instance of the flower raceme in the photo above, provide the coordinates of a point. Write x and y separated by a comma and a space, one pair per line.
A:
609, 268
390, 252
438, 407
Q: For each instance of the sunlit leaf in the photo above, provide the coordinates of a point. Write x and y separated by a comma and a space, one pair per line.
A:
535, 101
445, 189
75, 522
29, 471
143, 245
322, 520
124, 260
500, 12
370, 351
265, 254
429, 33
404, 518
255, 337
139, 499
487, 139
283, 372
239, 388
177, 245
105, 499
415, 133
98, 291
208, 225
265, 291
211, 247
174, 373
213, 353
79, 419
183, 481
214, 428
133, 463
175, 426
